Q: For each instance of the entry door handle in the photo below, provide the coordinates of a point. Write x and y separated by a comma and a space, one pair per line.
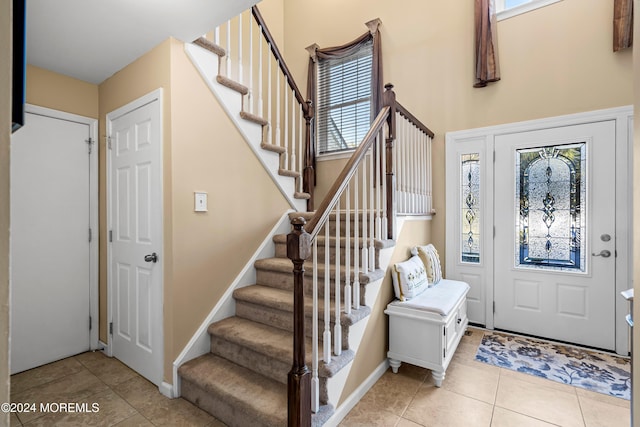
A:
151, 258
603, 253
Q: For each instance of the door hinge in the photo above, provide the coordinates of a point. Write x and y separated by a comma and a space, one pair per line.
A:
444, 332
90, 323
108, 142
444, 353
110, 235
110, 328
494, 157
90, 235
89, 144
494, 306
494, 231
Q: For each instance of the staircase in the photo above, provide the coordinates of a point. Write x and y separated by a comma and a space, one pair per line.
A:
242, 381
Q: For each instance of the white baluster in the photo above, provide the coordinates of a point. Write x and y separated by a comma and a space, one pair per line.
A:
326, 338
430, 177
278, 140
293, 133
356, 244
347, 248
260, 75
251, 70
378, 187
269, 96
372, 211
315, 382
240, 76
286, 123
385, 231
365, 251
337, 327
301, 142
216, 35
228, 55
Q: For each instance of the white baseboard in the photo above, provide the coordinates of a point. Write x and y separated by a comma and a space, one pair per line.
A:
353, 399
166, 389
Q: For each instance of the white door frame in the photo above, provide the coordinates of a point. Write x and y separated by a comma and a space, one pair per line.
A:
94, 260
155, 95
482, 140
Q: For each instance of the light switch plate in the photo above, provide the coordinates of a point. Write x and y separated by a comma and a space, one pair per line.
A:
200, 198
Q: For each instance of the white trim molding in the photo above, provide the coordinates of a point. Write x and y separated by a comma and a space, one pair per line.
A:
503, 13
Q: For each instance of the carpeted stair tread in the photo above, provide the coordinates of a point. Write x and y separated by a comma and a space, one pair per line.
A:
272, 147
284, 265
300, 195
272, 343
210, 46
287, 172
254, 396
232, 84
283, 300
378, 244
253, 118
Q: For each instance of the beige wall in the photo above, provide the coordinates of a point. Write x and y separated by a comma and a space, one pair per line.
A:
5, 133
373, 349
52, 90
203, 151
210, 249
555, 60
636, 210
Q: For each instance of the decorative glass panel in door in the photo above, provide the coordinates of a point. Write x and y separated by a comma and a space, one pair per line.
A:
550, 205
470, 204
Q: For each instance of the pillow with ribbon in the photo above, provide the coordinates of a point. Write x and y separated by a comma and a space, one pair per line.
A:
431, 260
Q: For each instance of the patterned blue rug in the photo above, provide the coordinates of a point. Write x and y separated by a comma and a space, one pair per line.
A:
600, 372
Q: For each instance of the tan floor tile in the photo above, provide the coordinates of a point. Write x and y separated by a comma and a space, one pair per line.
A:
136, 421
407, 423
108, 369
539, 401
111, 410
44, 374
477, 382
605, 398
366, 414
72, 388
434, 406
160, 410
507, 373
14, 421
465, 353
393, 392
506, 418
217, 423
597, 413
472, 336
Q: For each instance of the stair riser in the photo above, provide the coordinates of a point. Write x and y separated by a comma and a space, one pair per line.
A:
283, 320
277, 370
228, 412
284, 281
281, 252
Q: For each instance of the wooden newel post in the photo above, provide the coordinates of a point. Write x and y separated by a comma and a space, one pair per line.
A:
309, 177
389, 99
299, 379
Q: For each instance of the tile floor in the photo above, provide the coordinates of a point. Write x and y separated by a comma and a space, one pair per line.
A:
473, 394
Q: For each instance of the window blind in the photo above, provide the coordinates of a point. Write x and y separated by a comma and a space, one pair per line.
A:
344, 100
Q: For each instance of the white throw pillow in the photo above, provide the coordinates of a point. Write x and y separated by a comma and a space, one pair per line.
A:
429, 256
409, 278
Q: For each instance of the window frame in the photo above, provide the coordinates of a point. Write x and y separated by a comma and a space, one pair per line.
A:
345, 153
502, 13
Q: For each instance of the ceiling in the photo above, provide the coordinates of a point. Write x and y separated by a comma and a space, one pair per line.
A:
92, 39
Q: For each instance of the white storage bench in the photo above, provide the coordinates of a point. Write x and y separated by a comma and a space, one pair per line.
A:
425, 331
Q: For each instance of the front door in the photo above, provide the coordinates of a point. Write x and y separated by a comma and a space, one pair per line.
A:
554, 256
51, 238
135, 207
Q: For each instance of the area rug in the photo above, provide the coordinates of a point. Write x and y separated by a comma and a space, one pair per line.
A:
591, 370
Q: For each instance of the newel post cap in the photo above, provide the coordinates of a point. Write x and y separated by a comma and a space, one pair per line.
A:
298, 241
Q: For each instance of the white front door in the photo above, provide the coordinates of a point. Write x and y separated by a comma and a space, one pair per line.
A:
135, 208
555, 242
51, 248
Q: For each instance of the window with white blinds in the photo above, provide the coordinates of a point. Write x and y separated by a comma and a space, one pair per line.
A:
344, 100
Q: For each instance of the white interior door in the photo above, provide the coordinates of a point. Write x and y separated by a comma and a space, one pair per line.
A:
136, 234
51, 273
555, 240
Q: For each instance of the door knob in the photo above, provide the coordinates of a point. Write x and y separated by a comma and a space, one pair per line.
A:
151, 258
603, 253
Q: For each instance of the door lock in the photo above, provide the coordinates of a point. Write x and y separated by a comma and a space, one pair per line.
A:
151, 258
603, 253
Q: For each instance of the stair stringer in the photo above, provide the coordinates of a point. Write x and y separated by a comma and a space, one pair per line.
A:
200, 342
231, 101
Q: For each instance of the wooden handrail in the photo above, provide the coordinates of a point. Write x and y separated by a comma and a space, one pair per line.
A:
404, 112
318, 220
283, 65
